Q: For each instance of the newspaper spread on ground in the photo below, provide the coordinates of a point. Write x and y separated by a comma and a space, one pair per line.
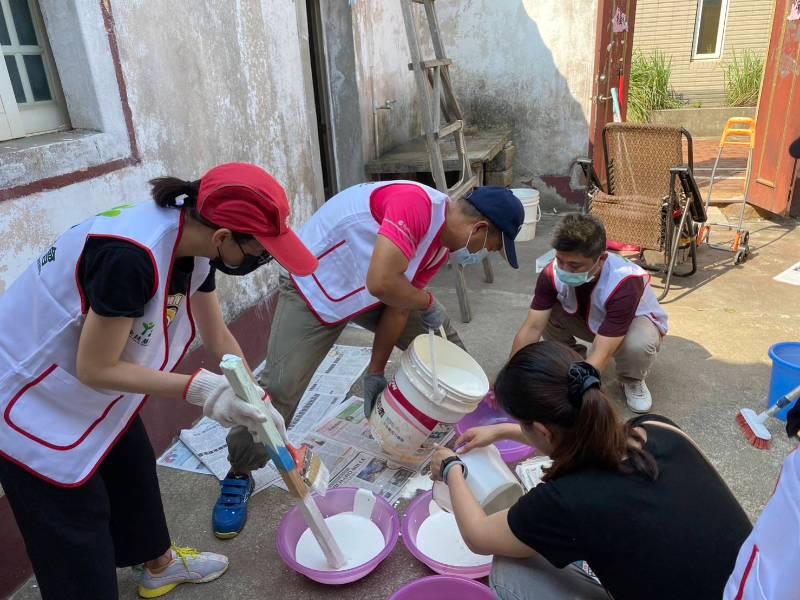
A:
358, 460
337, 373
179, 457
790, 275
332, 380
531, 471
207, 441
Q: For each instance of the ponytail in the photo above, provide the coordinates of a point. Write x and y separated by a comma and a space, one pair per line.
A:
538, 384
171, 192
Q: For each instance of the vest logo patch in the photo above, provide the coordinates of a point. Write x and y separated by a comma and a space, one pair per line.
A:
143, 335
174, 302
47, 257
115, 211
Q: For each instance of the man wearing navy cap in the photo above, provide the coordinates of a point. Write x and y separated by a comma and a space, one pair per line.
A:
378, 245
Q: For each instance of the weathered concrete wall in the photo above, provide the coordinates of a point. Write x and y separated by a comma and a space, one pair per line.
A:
701, 122
205, 86
382, 58
345, 102
526, 64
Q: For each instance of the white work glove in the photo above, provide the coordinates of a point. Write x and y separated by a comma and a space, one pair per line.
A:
219, 402
434, 316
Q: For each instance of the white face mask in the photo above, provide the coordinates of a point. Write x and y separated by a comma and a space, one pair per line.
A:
573, 279
464, 257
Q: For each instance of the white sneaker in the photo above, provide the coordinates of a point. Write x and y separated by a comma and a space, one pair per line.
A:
187, 566
638, 396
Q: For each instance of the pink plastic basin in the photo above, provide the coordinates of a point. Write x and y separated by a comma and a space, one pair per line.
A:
489, 413
337, 501
416, 513
439, 587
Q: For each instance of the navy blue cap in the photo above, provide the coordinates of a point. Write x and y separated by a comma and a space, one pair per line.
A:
504, 210
794, 149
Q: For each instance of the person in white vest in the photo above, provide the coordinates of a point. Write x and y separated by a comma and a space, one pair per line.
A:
769, 559
378, 245
90, 330
587, 293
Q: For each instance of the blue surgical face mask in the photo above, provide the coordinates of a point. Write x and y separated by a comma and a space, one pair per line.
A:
464, 257
573, 279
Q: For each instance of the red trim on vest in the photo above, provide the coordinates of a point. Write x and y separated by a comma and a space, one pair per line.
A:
428, 422
746, 574
319, 283
317, 315
164, 319
38, 440
91, 473
190, 316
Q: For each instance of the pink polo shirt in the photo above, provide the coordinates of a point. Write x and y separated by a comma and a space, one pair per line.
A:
404, 212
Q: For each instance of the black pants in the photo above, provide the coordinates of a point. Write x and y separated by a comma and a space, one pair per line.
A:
76, 537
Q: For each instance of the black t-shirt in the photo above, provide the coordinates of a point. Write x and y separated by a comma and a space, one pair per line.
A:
676, 537
118, 278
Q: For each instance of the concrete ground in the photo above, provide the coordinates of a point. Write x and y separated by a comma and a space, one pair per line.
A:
722, 320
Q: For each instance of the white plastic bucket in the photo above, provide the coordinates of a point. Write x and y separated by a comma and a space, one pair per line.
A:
407, 420
491, 481
530, 202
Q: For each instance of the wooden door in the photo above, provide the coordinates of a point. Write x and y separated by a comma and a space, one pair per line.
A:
777, 122
612, 69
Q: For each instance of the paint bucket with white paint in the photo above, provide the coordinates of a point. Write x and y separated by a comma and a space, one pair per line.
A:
432, 536
491, 481
410, 416
365, 526
530, 202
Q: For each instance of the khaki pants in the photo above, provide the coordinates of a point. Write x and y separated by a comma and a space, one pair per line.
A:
634, 357
298, 343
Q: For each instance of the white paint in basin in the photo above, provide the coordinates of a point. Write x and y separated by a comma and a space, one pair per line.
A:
439, 538
360, 539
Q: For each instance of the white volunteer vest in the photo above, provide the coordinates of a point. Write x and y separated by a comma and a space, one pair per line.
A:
52, 424
342, 236
615, 270
769, 560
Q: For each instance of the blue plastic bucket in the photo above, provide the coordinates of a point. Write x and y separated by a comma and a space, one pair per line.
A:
785, 373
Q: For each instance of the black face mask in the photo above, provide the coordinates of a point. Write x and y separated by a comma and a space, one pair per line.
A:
249, 263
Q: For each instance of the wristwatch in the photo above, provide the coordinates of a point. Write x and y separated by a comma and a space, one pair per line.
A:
448, 463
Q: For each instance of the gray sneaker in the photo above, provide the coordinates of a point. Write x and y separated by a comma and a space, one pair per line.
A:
187, 566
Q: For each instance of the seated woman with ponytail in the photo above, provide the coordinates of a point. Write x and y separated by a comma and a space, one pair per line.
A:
637, 502
90, 330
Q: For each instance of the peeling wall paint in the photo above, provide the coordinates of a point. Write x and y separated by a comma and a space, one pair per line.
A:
210, 86
525, 64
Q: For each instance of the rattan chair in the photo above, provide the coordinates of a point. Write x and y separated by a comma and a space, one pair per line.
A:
652, 201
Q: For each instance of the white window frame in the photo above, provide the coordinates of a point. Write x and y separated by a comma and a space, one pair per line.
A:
723, 20
18, 120
81, 34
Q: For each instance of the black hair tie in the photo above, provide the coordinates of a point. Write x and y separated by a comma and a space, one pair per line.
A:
581, 377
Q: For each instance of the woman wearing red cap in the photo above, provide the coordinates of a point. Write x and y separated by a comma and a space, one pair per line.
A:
94, 327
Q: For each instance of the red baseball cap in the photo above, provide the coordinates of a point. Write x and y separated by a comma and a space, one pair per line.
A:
246, 199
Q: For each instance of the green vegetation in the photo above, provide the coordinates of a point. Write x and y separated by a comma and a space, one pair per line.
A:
649, 88
743, 79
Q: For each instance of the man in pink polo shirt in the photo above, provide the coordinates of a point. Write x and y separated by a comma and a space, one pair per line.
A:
378, 245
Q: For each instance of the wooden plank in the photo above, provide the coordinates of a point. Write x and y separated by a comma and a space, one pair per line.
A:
412, 156
449, 129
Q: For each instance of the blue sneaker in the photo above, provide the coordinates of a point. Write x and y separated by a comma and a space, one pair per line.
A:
230, 511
